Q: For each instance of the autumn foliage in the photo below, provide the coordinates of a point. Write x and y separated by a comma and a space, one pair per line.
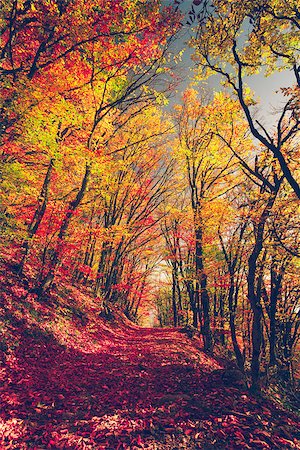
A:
118, 207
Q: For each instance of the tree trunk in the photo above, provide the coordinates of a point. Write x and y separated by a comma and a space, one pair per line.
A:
101, 267
276, 282
203, 295
73, 205
178, 293
174, 304
232, 311
38, 215
254, 293
221, 305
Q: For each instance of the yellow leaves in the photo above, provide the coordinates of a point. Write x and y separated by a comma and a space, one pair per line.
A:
215, 212
248, 96
115, 234
191, 95
175, 213
266, 36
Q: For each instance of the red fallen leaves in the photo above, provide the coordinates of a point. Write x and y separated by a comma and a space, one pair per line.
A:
120, 386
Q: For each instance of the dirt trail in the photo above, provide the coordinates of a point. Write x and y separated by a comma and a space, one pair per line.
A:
127, 388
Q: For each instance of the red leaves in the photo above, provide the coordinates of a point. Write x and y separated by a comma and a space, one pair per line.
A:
260, 444
286, 443
122, 387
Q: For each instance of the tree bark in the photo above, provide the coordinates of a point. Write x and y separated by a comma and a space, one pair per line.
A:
203, 295
38, 215
174, 304
232, 310
254, 295
276, 282
73, 205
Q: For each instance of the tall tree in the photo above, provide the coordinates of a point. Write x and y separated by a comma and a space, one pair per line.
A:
270, 42
207, 163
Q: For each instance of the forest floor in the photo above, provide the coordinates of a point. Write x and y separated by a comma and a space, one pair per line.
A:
72, 380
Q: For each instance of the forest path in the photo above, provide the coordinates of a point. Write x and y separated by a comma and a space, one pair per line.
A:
131, 388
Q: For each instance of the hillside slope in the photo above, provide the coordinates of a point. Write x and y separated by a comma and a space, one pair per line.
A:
73, 380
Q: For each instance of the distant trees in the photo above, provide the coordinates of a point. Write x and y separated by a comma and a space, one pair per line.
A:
239, 198
208, 165
237, 40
